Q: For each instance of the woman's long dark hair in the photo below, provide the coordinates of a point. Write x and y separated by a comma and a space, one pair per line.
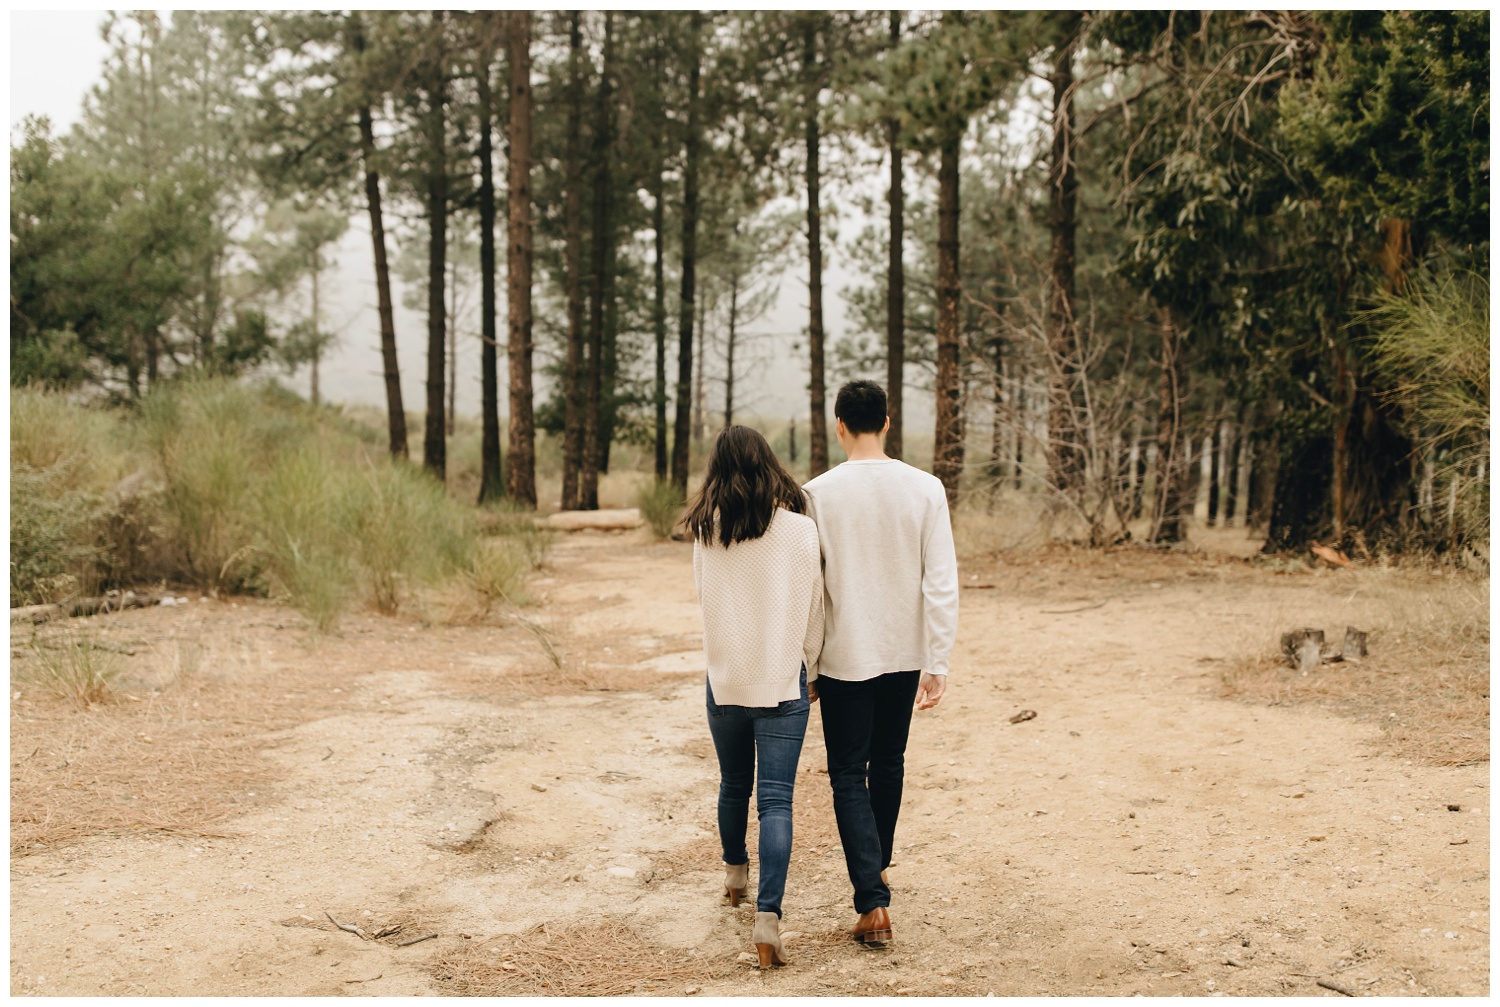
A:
744, 486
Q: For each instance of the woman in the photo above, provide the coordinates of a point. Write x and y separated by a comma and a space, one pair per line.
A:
760, 584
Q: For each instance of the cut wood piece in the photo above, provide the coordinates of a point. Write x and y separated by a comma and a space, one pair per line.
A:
1355, 644
1303, 648
603, 520
1331, 556
35, 613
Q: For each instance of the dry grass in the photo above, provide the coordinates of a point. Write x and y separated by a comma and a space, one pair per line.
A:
581, 959
175, 753
1426, 681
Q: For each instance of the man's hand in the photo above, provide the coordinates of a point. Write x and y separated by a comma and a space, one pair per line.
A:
930, 690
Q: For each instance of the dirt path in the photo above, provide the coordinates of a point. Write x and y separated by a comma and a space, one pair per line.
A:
1132, 838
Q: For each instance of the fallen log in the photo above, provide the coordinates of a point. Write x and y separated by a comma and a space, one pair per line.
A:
601, 520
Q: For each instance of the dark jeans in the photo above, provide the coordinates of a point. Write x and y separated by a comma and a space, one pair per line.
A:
759, 745
865, 725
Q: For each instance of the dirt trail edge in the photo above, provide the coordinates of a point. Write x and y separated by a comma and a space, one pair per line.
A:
1137, 836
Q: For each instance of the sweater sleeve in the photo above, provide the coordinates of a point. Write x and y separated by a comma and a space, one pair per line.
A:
698, 569
812, 645
940, 589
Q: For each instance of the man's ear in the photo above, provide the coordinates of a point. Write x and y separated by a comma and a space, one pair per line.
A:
887, 428
838, 428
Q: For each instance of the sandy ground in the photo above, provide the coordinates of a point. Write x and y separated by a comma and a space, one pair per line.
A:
1134, 837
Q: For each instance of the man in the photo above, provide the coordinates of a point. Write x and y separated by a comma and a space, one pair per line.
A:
891, 611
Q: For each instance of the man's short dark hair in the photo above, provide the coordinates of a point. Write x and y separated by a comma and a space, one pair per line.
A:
861, 405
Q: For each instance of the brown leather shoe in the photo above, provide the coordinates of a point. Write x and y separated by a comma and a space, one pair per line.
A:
873, 929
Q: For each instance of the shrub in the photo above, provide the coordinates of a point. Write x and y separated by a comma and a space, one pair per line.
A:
405, 528
212, 440
303, 547
661, 505
64, 459
72, 665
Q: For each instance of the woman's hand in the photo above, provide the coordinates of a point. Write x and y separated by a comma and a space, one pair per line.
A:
812, 691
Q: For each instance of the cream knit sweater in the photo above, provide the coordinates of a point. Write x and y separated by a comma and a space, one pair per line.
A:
762, 604
889, 566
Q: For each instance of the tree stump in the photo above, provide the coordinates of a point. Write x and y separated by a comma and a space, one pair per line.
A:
1303, 648
1355, 644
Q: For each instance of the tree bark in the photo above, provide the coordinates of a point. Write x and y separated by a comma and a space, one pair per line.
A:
593, 403
394, 407
734, 305
1215, 471
817, 449
611, 366
450, 412
698, 390
947, 439
491, 476
521, 475
1232, 473
659, 303
689, 266
895, 291
573, 264
434, 446
1063, 441
317, 351
1166, 518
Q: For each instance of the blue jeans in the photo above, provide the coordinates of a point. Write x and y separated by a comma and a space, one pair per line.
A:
759, 745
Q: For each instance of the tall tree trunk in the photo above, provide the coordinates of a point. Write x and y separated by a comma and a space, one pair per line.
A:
593, 402
1215, 471
947, 438
317, 350
698, 378
434, 446
1232, 473
573, 406
1166, 518
895, 289
491, 476
659, 303
689, 264
1064, 443
450, 414
1265, 466
996, 471
734, 308
1022, 404
521, 474
395, 409
817, 449
611, 366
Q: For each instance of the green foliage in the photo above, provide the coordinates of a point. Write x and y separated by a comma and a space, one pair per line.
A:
64, 460
1431, 343
661, 505
1396, 118
404, 530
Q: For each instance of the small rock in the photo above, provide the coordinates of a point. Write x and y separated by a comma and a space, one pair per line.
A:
621, 872
747, 957
540, 788
1316, 839
507, 966
1457, 842
690, 991
791, 935
949, 982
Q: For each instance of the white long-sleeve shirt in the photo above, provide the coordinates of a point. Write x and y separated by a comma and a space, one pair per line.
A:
889, 569
762, 603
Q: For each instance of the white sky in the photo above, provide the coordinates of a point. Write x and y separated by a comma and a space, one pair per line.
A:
56, 58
